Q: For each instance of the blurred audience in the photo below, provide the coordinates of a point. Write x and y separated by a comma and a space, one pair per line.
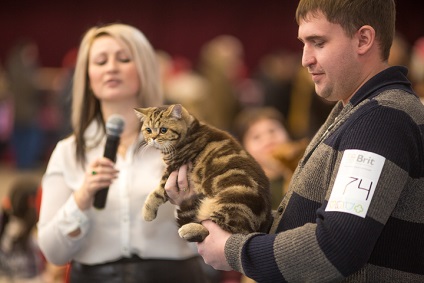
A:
22, 66
221, 65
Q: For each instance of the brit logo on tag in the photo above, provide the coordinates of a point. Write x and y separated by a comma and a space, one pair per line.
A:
355, 182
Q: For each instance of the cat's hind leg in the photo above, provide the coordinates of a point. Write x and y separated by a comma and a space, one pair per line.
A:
193, 232
231, 216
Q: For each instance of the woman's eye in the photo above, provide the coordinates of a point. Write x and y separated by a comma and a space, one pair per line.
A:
100, 62
124, 60
163, 130
123, 57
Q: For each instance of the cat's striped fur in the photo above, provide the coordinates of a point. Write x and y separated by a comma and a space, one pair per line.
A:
231, 188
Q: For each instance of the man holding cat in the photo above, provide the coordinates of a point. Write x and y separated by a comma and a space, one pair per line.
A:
354, 210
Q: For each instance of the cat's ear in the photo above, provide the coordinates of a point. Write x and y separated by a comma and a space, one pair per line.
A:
175, 111
141, 113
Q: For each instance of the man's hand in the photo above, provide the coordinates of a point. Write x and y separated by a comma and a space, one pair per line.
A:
212, 248
177, 186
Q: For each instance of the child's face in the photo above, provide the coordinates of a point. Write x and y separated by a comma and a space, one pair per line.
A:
263, 136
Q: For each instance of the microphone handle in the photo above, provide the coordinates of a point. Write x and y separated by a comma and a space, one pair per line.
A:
112, 143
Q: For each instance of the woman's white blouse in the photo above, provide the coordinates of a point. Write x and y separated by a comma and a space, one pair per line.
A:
116, 231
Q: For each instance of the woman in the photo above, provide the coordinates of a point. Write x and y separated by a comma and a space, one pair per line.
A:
115, 72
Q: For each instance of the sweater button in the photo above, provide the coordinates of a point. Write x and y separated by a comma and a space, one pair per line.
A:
280, 209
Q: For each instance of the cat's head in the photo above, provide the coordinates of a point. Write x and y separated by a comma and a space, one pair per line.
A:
164, 127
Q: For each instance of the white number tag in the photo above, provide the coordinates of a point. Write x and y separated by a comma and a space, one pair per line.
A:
355, 182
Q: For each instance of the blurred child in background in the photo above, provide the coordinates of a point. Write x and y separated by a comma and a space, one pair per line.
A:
20, 257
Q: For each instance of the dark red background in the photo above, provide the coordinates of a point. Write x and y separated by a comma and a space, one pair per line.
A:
179, 27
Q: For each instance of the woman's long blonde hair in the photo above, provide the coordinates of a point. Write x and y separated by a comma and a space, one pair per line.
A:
85, 106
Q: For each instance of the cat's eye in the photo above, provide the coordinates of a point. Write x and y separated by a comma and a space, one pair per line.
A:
148, 130
163, 130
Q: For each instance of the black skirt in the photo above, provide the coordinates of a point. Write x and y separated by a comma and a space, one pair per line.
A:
139, 270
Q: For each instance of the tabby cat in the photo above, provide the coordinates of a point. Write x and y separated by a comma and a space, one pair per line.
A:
231, 188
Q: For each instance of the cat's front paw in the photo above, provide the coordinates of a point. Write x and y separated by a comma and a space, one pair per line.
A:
193, 232
148, 214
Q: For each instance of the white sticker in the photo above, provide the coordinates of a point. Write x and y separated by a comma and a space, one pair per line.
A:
355, 182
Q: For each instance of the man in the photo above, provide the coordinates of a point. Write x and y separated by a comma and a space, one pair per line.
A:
354, 210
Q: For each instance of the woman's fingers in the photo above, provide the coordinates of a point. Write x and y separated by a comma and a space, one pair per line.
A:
100, 174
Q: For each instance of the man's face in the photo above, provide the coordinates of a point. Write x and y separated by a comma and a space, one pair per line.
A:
330, 56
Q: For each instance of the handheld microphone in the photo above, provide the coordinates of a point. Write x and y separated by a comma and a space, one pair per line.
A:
114, 127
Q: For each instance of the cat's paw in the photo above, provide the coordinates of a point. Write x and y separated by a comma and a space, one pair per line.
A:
193, 232
148, 214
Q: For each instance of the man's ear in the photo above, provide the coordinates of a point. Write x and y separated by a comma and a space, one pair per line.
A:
366, 39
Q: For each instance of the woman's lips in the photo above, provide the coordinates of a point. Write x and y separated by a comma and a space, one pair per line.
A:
113, 83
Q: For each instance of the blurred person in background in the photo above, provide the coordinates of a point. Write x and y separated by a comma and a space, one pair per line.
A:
400, 52
6, 114
22, 66
417, 67
221, 65
262, 133
20, 257
276, 75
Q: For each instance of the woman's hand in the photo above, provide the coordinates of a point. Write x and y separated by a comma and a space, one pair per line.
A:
100, 174
212, 247
177, 186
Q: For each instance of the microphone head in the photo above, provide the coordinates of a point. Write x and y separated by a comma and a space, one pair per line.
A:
115, 125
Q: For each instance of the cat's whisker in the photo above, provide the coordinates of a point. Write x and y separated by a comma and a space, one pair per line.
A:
141, 146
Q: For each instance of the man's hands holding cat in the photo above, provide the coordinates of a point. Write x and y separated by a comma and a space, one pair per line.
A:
177, 186
212, 248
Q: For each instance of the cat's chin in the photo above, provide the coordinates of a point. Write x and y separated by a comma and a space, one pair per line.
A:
155, 145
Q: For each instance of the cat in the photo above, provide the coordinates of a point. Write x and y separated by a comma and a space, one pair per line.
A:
231, 188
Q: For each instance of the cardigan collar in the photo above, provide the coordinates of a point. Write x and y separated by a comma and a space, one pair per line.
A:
391, 78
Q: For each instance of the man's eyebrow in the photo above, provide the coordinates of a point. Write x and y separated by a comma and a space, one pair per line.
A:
312, 38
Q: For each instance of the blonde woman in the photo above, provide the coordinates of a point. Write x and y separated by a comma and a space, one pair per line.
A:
116, 71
